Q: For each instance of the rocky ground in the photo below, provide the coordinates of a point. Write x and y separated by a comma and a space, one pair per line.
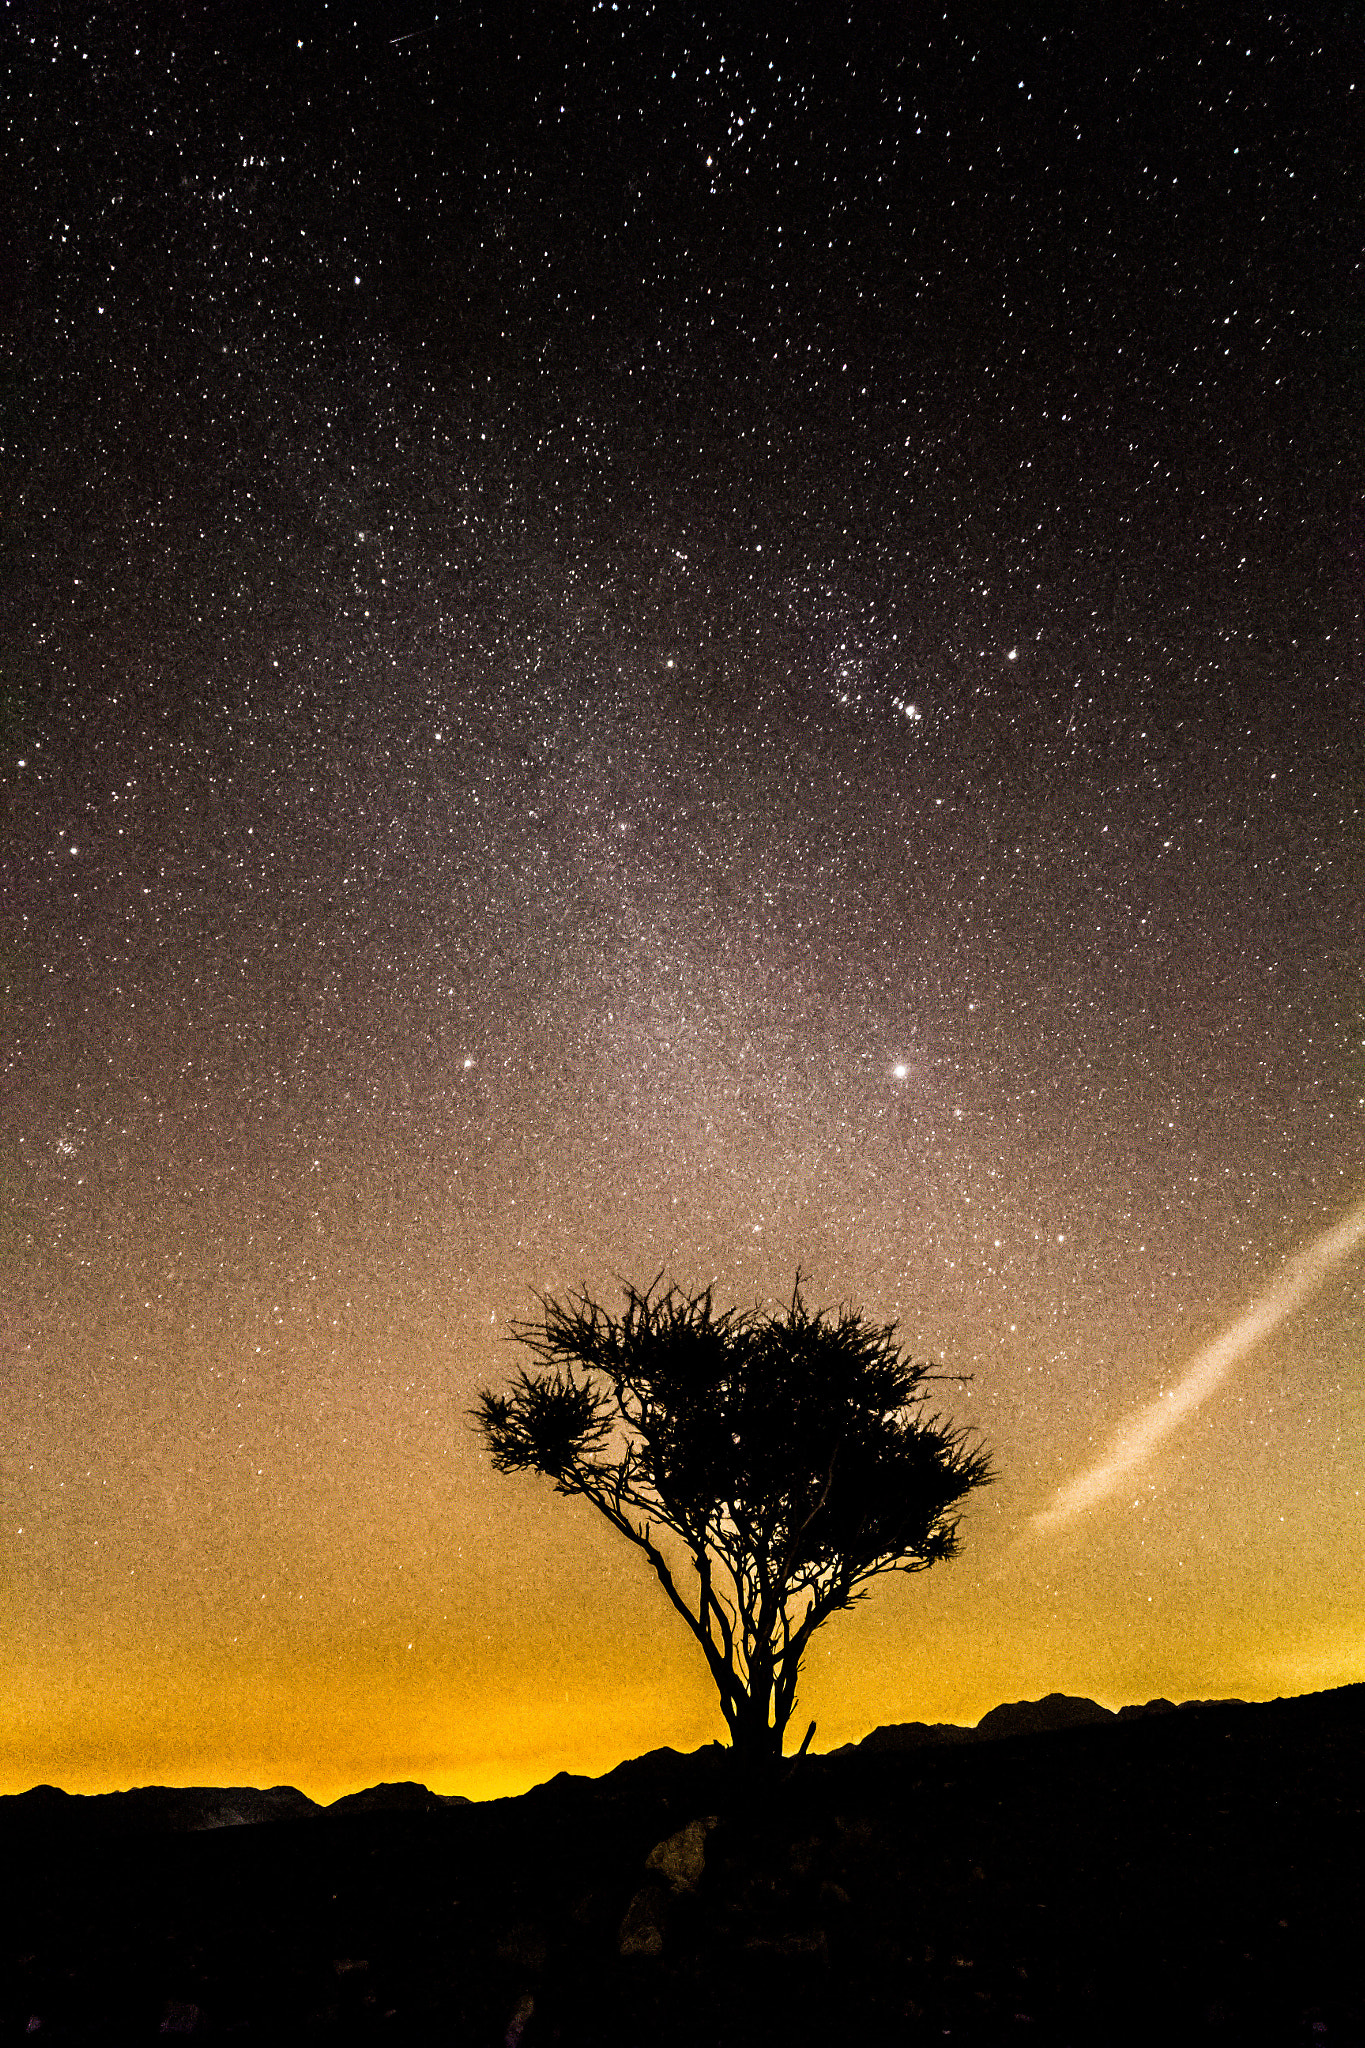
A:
1171, 1879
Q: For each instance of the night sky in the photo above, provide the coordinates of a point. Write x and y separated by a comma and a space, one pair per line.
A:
651, 638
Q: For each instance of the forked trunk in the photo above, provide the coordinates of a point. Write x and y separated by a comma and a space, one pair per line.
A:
755, 1739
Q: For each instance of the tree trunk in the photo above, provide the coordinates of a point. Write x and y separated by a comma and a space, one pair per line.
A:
756, 1739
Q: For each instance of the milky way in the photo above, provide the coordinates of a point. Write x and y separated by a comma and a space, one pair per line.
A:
637, 646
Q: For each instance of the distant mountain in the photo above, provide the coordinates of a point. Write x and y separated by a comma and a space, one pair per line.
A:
1090, 1882
900, 1735
660, 1773
193, 1809
407, 1797
1057, 1710
155, 1809
1040, 1717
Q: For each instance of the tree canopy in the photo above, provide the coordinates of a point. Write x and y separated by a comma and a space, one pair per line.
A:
789, 1452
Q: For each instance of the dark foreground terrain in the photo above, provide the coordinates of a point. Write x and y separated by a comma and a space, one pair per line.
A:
1190, 1877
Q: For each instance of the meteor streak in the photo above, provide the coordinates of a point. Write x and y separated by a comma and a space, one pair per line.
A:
1136, 1438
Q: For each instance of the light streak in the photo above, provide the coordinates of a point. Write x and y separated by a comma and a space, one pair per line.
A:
1135, 1439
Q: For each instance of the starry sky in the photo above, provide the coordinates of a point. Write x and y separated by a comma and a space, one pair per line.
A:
635, 642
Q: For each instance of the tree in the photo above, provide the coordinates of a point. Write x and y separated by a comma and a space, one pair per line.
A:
787, 1451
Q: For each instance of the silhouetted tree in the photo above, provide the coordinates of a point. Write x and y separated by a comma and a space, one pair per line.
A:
787, 1451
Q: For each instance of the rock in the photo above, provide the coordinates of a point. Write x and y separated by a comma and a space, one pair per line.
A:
520, 2020
179, 2017
810, 1947
681, 1858
642, 1929
523, 1945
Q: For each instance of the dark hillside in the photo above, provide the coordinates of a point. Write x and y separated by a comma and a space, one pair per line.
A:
1189, 1877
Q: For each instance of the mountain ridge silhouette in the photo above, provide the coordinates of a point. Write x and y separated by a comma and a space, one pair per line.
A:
198, 1808
1199, 1862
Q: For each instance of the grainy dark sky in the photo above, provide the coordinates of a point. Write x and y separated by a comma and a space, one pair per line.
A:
636, 640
